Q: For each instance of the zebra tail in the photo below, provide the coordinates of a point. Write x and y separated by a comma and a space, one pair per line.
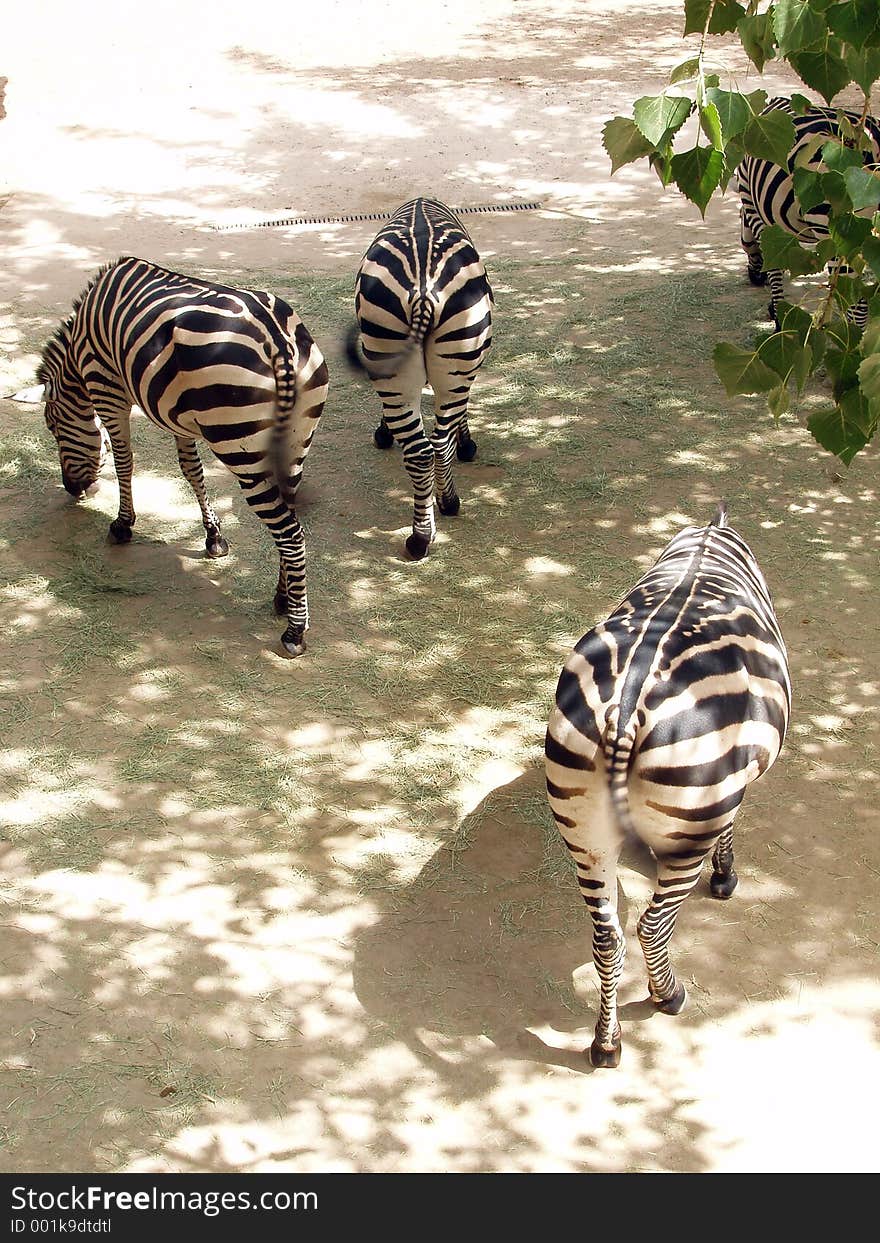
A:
617, 753
391, 364
284, 366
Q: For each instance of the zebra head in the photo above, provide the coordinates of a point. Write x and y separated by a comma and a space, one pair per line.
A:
70, 417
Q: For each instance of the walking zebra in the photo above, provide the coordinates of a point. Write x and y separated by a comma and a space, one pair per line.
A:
424, 310
664, 713
767, 194
233, 367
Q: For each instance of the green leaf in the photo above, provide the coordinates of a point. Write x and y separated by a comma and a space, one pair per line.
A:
710, 124
777, 400
726, 14
787, 351
853, 21
796, 26
661, 162
871, 251
834, 431
807, 188
869, 381
870, 343
659, 116
863, 65
863, 187
623, 142
735, 110
741, 371
800, 103
756, 36
697, 174
848, 233
733, 154
695, 14
770, 136
834, 191
685, 70
780, 249
824, 69
839, 157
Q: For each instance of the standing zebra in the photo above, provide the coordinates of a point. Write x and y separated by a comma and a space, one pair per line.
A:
664, 713
230, 366
424, 310
767, 194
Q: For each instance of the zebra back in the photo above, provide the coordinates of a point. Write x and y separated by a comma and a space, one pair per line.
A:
767, 190
681, 697
421, 271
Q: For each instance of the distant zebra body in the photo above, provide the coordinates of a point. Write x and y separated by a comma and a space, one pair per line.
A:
664, 714
767, 193
232, 367
424, 310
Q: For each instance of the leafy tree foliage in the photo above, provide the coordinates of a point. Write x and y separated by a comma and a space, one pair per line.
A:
830, 45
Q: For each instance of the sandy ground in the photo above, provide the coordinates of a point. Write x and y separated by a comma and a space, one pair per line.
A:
139, 135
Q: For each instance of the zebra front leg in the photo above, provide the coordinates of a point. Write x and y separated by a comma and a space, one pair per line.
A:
676, 877
291, 601
724, 879
191, 466
117, 422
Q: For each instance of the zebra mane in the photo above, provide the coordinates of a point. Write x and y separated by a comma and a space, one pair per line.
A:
60, 338
720, 519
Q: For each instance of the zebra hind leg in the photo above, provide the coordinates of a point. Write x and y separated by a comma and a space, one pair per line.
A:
466, 446
724, 879
448, 500
382, 436
676, 877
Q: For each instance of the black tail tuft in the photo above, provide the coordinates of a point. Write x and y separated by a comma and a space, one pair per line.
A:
353, 355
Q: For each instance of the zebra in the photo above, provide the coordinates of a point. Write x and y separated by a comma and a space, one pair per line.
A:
767, 194
665, 712
423, 305
233, 367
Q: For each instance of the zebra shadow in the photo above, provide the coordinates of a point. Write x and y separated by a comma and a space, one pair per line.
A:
492, 939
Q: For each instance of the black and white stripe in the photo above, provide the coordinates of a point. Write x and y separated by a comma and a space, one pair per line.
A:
424, 310
232, 367
664, 714
767, 193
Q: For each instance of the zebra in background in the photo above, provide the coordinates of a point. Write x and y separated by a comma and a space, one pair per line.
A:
233, 367
767, 194
665, 713
424, 312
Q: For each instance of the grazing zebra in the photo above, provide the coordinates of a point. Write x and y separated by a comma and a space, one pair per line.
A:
424, 310
664, 713
767, 194
233, 367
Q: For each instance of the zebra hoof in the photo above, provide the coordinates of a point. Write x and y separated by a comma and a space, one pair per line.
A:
722, 885
604, 1059
382, 437
449, 507
417, 546
293, 642
466, 450
757, 277
120, 532
216, 546
675, 1003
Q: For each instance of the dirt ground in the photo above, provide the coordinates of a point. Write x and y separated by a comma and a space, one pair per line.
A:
261, 915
